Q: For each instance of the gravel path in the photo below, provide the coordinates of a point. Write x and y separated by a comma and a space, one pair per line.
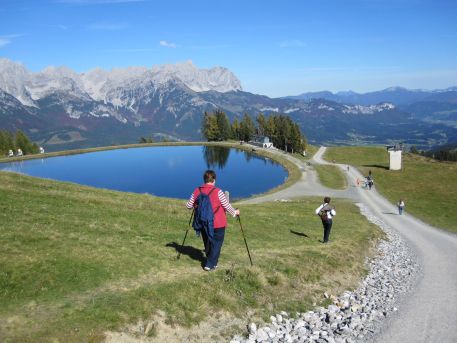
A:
428, 314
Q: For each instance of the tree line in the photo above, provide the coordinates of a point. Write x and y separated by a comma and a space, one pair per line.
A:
18, 140
283, 132
443, 154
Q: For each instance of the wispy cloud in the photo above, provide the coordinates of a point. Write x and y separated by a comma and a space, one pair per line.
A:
4, 42
292, 43
166, 44
56, 26
95, 2
7, 39
107, 26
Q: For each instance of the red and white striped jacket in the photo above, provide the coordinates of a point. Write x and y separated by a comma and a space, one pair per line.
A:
219, 203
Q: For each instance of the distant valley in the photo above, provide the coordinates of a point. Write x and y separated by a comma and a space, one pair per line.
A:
62, 109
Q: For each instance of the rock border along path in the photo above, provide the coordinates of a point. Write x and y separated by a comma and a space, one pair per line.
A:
428, 314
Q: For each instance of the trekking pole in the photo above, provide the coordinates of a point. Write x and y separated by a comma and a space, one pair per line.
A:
185, 236
246, 243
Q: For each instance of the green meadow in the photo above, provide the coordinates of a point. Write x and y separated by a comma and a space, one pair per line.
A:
428, 187
77, 261
331, 176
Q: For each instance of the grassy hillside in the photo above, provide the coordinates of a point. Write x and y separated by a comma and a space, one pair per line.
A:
77, 261
428, 187
331, 176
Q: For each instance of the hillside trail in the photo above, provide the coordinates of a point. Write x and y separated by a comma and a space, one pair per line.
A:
429, 314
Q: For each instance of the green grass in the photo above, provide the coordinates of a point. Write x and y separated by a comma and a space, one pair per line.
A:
310, 151
77, 261
331, 176
428, 187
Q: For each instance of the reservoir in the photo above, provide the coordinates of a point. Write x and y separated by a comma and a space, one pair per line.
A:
169, 171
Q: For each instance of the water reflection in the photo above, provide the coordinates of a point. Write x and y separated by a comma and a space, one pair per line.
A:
162, 171
216, 156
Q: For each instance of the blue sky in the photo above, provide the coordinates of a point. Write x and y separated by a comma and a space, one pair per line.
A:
275, 48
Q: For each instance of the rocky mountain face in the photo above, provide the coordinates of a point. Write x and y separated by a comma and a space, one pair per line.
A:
62, 109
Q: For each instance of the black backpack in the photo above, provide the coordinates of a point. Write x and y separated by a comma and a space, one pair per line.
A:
204, 215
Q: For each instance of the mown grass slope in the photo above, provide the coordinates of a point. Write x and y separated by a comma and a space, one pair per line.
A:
331, 176
77, 261
428, 187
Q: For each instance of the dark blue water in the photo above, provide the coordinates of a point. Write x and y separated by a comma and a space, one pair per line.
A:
162, 171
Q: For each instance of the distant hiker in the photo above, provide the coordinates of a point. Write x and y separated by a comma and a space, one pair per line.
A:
41, 150
401, 206
326, 213
19, 152
212, 230
10, 153
347, 168
370, 181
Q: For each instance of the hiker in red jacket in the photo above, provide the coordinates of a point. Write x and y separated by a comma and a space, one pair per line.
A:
220, 206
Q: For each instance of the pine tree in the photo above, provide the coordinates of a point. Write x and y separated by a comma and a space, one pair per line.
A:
261, 125
210, 129
247, 128
23, 143
236, 129
223, 125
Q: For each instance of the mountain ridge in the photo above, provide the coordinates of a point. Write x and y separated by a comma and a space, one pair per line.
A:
62, 109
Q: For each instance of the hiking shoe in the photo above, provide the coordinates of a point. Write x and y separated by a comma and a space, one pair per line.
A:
208, 269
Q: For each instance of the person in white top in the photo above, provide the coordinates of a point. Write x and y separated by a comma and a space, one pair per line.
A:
326, 213
401, 205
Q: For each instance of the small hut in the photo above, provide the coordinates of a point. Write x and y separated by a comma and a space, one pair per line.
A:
395, 159
261, 141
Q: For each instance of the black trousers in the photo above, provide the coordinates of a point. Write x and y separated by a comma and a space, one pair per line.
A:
327, 228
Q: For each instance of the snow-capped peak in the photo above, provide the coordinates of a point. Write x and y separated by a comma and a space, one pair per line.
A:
13, 78
102, 84
199, 80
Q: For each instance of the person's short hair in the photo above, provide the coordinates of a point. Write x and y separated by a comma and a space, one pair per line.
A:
209, 176
327, 200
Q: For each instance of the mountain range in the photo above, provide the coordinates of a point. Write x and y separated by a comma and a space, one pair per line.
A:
62, 109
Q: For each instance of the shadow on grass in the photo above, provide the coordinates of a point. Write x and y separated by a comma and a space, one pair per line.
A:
193, 253
376, 166
299, 233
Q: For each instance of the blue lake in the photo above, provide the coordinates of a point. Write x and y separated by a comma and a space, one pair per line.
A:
162, 171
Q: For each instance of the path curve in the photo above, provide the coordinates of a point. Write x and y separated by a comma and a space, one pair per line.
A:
430, 312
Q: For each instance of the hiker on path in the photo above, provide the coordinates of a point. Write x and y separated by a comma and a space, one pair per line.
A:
401, 206
370, 181
326, 213
214, 231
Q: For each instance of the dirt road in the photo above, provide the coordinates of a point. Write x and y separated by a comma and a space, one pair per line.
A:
430, 313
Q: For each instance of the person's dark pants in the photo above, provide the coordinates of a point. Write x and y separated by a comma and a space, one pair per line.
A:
213, 246
327, 228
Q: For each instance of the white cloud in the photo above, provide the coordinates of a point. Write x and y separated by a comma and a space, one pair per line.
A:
7, 39
166, 44
292, 43
4, 42
107, 26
